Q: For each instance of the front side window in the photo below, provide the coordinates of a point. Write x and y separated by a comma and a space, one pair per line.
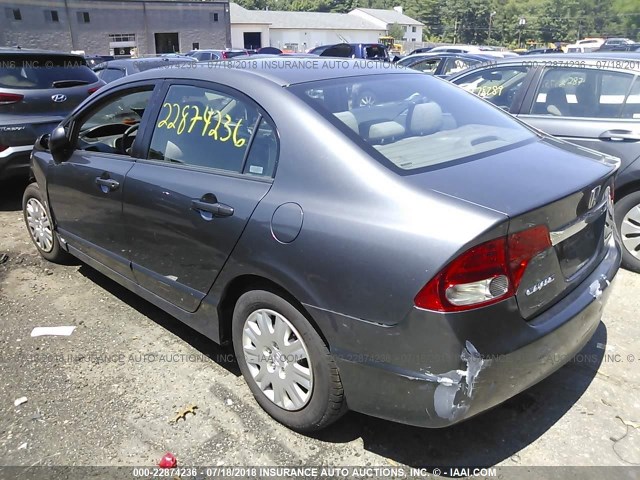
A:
499, 85
213, 129
413, 121
112, 126
581, 92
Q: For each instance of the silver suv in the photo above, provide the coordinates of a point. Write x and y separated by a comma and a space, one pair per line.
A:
37, 90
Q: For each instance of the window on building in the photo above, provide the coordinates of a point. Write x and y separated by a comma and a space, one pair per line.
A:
122, 37
83, 17
213, 17
413, 39
51, 16
13, 13
413, 29
195, 46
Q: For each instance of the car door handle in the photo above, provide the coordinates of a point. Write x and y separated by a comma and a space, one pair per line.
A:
109, 184
217, 209
620, 136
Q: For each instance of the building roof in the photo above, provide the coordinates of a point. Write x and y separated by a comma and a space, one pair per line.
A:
389, 16
300, 20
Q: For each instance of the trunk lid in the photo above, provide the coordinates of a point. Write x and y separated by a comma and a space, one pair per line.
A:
552, 183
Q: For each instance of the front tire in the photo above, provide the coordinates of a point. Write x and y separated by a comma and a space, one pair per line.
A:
40, 225
285, 363
627, 213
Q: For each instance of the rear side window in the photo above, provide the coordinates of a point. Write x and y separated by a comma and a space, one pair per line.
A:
412, 121
375, 52
30, 72
428, 66
499, 85
632, 104
208, 128
110, 74
582, 92
455, 65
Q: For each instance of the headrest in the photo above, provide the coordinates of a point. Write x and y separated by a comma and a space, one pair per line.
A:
349, 119
425, 118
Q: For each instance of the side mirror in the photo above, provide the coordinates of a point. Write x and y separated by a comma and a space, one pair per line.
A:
59, 145
42, 143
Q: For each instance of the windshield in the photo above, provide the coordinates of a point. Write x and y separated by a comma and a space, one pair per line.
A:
412, 121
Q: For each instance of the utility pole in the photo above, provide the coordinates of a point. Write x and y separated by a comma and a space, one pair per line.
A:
455, 31
521, 23
490, 20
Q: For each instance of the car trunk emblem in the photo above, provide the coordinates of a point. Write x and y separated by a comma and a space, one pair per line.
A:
59, 97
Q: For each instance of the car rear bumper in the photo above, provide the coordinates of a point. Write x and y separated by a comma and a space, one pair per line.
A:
15, 161
435, 370
20, 133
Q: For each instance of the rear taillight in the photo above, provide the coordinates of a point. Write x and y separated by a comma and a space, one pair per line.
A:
225, 55
484, 274
3, 148
93, 90
8, 98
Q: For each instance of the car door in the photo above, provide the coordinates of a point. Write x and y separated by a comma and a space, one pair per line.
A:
503, 85
85, 191
211, 156
593, 107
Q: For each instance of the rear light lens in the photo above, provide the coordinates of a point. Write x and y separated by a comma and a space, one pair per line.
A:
225, 55
8, 98
3, 148
484, 274
93, 90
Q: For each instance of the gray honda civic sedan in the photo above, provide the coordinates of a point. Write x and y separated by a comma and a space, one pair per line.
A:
421, 259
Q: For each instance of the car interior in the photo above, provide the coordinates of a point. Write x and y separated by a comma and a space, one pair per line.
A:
113, 128
412, 131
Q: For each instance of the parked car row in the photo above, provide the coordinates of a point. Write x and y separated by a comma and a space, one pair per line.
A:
415, 259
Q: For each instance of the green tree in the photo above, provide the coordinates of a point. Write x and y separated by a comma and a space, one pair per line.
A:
396, 31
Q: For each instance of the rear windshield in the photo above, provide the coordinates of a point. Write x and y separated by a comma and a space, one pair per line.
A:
42, 72
412, 121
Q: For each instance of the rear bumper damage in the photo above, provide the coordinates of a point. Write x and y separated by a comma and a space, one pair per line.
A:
435, 370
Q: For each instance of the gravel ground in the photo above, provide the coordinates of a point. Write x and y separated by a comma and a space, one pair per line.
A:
106, 395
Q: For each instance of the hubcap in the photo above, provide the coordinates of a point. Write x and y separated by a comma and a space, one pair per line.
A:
278, 359
630, 231
39, 225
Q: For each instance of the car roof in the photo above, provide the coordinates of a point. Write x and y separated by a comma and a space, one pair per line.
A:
36, 51
476, 56
282, 71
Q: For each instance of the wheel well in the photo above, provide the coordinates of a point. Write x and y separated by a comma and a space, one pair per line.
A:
246, 283
625, 190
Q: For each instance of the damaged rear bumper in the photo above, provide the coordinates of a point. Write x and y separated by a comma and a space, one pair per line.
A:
434, 370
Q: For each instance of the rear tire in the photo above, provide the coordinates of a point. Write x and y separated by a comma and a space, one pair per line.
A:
40, 226
627, 213
285, 363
